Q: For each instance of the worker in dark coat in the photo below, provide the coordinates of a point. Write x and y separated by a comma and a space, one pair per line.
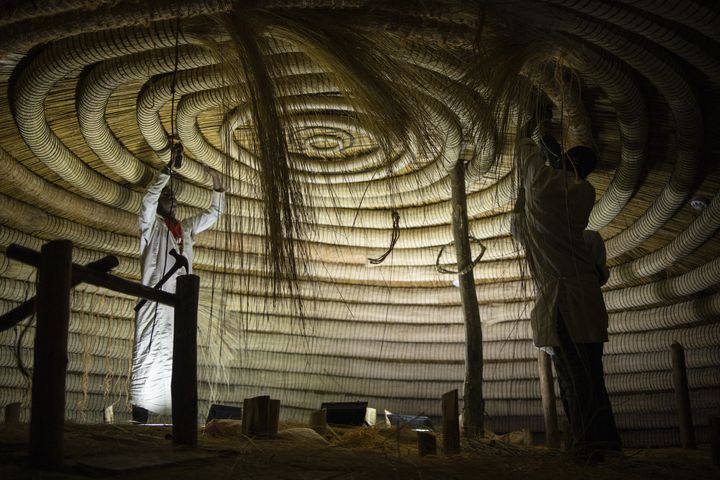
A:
569, 319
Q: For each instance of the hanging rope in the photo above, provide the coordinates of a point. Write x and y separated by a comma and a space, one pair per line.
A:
175, 155
393, 241
19, 337
176, 146
465, 270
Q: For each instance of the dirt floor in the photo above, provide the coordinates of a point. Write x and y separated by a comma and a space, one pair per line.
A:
145, 452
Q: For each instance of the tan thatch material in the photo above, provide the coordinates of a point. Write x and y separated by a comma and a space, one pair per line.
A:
366, 108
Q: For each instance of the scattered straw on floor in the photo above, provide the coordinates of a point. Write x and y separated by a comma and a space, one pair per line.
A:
362, 438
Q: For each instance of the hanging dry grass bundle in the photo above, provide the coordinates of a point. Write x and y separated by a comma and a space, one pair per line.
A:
361, 65
283, 204
509, 55
380, 88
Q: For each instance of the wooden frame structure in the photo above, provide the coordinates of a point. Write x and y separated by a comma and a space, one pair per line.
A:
57, 275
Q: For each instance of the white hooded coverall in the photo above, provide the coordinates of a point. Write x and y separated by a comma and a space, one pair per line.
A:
153, 347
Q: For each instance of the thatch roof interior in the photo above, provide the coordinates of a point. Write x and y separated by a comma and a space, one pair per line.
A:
326, 116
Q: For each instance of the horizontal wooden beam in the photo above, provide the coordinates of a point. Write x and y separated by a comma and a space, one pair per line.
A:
83, 274
121, 285
28, 308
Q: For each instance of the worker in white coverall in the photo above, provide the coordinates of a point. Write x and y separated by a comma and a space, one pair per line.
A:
569, 319
160, 232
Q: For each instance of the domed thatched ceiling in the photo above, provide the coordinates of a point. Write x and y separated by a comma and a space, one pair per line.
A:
91, 92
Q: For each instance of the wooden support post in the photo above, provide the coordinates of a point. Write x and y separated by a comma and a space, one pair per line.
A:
715, 440
47, 412
682, 397
318, 421
12, 412
248, 415
547, 393
255, 414
273, 416
427, 444
184, 368
451, 423
260, 416
473, 403
568, 438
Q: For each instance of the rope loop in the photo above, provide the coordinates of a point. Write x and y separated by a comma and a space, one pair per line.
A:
393, 240
465, 270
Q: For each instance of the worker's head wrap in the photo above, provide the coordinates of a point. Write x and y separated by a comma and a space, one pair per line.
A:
582, 158
167, 202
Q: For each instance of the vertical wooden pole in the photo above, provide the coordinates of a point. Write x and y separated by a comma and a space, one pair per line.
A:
568, 438
248, 415
451, 424
184, 370
47, 412
682, 396
427, 444
715, 440
473, 404
261, 415
273, 417
547, 393
318, 421
12, 412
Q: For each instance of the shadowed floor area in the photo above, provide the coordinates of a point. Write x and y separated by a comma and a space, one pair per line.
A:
138, 452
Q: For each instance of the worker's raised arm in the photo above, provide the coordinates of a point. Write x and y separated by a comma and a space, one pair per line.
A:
150, 200
206, 219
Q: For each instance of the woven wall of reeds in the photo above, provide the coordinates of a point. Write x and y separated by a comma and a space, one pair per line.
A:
367, 105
